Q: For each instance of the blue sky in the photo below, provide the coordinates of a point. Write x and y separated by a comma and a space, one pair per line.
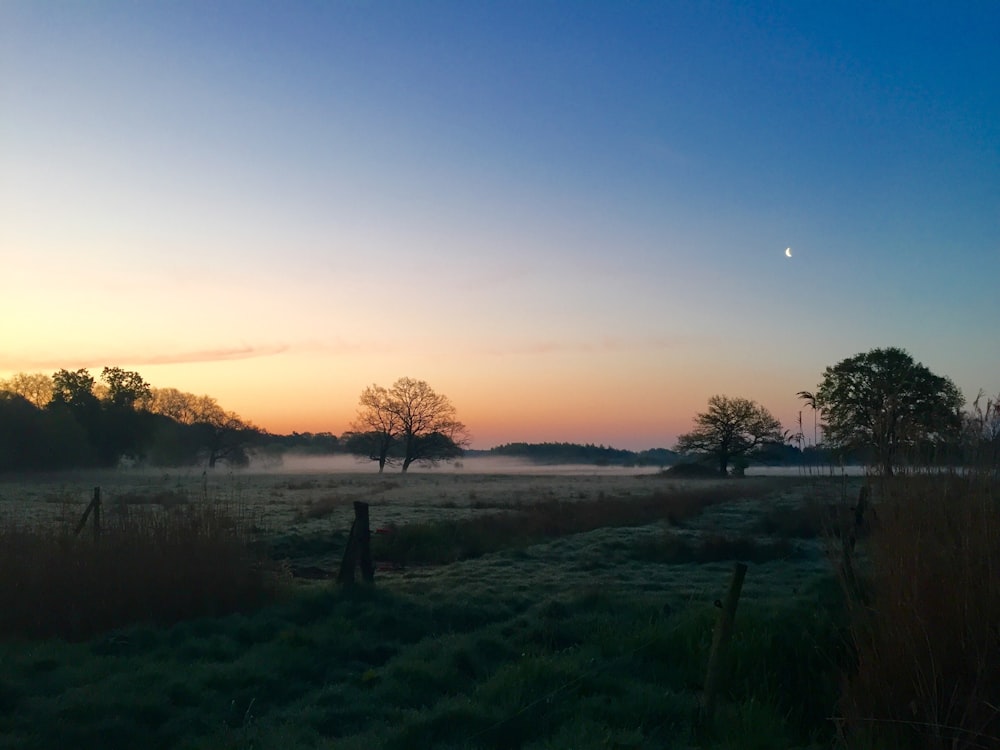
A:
569, 217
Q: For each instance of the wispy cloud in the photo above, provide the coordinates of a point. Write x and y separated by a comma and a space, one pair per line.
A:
600, 345
8, 362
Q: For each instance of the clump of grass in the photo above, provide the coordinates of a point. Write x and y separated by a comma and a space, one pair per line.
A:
925, 617
809, 520
450, 540
149, 564
321, 507
163, 498
673, 548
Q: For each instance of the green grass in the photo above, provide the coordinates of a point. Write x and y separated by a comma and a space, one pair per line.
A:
551, 620
451, 540
374, 668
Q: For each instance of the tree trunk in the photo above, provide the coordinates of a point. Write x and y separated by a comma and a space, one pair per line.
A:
723, 463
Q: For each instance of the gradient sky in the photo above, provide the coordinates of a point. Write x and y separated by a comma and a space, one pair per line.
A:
569, 217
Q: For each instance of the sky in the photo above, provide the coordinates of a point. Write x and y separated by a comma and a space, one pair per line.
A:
569, 217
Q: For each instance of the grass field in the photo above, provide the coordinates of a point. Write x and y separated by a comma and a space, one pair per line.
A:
510, 610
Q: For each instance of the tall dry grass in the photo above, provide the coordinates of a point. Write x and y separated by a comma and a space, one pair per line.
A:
926, 618
150, 565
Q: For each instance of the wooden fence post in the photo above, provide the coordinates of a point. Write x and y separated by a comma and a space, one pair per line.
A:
93, 507
359, 549
97, 514
720, 642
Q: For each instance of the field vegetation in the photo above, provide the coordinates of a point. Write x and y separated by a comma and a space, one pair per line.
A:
535, 611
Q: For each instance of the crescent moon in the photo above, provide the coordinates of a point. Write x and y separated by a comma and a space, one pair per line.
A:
788, 252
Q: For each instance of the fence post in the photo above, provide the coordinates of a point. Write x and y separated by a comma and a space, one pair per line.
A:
97, 514
720, 642
358, 548
94, 506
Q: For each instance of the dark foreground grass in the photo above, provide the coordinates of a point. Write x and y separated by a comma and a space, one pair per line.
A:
372, 668
675, 548
451, 540
926, 617
156, 564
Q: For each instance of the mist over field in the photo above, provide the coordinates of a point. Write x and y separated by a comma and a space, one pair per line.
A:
292, 464
295, 464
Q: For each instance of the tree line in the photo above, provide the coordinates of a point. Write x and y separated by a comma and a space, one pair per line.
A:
880, 407
72, 420
575, 453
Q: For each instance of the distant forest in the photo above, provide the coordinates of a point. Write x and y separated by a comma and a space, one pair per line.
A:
574, 453
72, 420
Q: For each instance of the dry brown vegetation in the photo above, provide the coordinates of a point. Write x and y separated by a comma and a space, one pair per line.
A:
149, 565
925, 618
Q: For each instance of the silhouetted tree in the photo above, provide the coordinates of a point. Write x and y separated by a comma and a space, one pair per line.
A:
732, 427
38, 439
126, 389
408, 422
35, 387
376, 426
884, 401
73, 396
225, 436
170, 402
74, 389
429, 429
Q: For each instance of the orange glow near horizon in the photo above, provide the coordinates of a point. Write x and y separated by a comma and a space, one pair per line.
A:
626, 403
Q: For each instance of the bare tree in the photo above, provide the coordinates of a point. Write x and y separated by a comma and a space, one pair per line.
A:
731, 427
429, 429
170, 402
225, 435
376, 426
35, 387
406, 423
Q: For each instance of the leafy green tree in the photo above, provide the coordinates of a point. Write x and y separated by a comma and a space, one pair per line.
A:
731, 428
884, 401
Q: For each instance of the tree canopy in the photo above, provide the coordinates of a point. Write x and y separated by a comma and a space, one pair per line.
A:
406, 423
68, 420
731, 427
376, 427
884, 401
